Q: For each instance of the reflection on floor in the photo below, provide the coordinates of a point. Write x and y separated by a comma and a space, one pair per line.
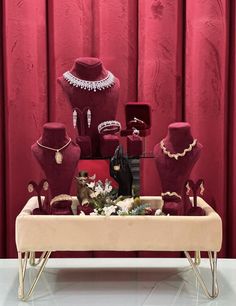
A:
118, 282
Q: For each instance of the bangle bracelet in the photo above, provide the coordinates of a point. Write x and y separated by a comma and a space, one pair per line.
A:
61, 197
109, 127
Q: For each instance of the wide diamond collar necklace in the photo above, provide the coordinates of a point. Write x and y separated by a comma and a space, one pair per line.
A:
58, 154
177, 155
90, 85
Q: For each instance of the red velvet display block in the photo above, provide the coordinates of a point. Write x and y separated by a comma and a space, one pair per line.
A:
85, 145
108, 145
141, 111
134, 145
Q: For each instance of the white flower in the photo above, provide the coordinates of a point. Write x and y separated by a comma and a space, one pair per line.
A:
82, 213
158, 212
108, 188
99, 189
91, 185
109, 210
94, 213
125, 205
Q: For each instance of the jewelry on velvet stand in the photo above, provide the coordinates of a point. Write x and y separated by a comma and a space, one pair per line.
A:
109, 127
58, 154
177, 155
61, 197
188, 189
107, 82
89, 117
74, 116
202, 188
33, 186
194, 187
171, 194
136, 132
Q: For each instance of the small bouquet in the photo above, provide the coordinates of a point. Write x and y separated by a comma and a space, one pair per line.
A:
104, 201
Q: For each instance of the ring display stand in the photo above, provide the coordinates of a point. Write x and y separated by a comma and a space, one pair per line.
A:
49, 233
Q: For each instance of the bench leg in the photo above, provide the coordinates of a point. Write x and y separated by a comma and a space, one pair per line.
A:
22, 270
33, 262
213, 265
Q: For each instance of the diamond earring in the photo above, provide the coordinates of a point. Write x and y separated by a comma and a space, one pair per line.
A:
89, 117
74, 116
202, 188
188, 189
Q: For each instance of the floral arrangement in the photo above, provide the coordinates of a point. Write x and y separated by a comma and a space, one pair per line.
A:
103, 201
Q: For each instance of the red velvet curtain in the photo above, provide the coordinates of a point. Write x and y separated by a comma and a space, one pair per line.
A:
177, 55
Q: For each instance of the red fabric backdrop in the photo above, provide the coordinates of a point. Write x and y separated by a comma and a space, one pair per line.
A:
177, 55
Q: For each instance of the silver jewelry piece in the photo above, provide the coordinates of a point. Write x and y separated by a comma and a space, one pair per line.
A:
108, 124
89, 117
171, 194
177, 155
107, 82
74, 116
136, 132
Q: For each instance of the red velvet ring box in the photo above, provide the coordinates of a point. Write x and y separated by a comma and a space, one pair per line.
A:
141, 111
85, 146
108, 145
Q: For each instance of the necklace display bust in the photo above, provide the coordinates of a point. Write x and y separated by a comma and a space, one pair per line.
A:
59, 176
102, 104
175, 168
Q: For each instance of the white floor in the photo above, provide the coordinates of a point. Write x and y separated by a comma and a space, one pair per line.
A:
118, 282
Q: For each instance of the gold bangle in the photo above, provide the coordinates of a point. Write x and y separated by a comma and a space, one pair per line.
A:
61, 197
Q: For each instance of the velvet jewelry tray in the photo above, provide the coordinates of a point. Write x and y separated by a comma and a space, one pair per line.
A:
118, 233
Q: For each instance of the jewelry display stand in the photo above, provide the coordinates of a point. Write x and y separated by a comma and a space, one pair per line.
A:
50, 233
93, 93
175, 157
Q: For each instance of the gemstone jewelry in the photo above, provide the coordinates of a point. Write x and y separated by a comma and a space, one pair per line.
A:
177, 155
109, 127
74, 117
58, 154
171, 194
89, 117
107, 82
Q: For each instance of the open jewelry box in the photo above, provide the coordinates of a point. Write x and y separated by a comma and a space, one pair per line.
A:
48, 233
141, 111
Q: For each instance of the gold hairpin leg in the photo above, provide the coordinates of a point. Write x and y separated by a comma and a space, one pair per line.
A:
197, 258
213, 264
33, 262
22, 269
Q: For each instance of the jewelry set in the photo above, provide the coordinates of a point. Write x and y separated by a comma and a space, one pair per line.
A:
176, 156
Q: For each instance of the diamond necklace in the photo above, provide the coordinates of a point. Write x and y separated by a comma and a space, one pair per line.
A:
90, 85
58, 154
177, 155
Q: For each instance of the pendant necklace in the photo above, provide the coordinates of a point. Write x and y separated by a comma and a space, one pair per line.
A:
58, 154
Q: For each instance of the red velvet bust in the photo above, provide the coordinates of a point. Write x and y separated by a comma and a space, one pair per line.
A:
103, 104
174, 173
59, 176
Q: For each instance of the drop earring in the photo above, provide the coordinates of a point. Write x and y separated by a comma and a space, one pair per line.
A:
89, 118
74, 116
202, 188
188, 189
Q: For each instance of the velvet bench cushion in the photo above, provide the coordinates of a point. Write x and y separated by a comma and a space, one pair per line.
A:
118, 233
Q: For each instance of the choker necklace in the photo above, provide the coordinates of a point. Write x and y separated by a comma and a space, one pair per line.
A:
177, 155
58, 154
90, 85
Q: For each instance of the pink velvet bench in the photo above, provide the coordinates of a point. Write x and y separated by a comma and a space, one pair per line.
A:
49, 233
